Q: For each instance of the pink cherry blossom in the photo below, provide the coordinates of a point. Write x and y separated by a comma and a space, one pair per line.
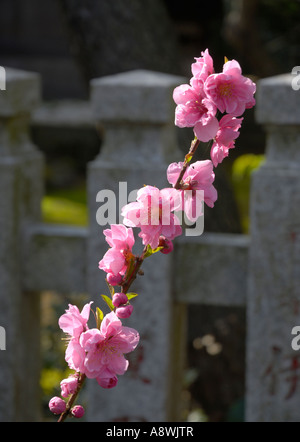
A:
116, 260
203, 67
198, 177
73, 322
119, 237
195, 110
225, 138
107, 379
105, 348
230, 91
69, 386
152, 213
218, 153
75, 355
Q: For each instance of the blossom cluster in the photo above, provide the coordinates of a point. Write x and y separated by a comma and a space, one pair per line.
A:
98, 353
208, 93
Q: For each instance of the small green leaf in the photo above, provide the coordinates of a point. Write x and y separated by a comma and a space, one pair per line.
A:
148, 252
99, 316
108, 301
151, 251
131, 295
188, 158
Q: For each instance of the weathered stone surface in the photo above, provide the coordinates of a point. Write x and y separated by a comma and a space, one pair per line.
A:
20, 192
56, 258
143, 97
273, 295
279, 103
196, 259
22, 93
9, 285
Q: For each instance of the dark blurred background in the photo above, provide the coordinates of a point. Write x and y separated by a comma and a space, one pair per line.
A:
69, 42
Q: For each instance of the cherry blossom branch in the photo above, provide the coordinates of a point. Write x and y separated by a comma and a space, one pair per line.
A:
72, 398
198, 106
194, 145
82, 377
138, 263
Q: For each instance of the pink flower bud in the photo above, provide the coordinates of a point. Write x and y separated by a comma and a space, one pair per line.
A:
124, 312
166, 244
77, 411
119, 298
57, 405
69, 386
114, 279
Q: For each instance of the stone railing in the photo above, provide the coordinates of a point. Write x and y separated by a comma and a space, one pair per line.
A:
259, 271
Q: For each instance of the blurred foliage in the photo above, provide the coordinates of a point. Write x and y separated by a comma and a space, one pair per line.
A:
50, 380
66, 206
236, 412
242, 169
280, 29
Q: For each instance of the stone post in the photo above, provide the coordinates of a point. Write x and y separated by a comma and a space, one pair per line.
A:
273, 367
136, 112
20, 194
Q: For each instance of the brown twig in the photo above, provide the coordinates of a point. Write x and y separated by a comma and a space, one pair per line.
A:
72, 398
138, 263
194, 145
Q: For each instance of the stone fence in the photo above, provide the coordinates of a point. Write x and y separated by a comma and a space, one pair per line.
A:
259, 271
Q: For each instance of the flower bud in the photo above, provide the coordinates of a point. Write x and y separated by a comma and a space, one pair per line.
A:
166, 244
69, 386
57, 405
77, 411
124, 312
114, 279
119, 298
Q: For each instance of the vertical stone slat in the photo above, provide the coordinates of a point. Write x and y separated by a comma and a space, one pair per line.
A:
273, 299
20, 193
